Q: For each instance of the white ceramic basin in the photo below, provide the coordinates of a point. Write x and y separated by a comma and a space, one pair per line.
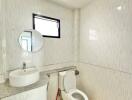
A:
20, 77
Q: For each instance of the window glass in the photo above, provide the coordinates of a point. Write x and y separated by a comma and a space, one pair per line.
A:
48, 27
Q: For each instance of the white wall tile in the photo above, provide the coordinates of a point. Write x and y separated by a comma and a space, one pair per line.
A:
19, 17
1, 29
106, 34
2, 38
104, 84
105, 50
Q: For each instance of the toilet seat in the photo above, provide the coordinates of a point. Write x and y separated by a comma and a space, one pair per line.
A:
77, 95
68, 87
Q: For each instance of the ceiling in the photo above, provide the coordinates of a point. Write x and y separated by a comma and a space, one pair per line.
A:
72, 3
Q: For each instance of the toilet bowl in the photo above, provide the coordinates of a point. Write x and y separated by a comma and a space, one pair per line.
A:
67, 85
77, 95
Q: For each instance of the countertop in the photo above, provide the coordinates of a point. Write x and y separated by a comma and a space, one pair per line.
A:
6, 90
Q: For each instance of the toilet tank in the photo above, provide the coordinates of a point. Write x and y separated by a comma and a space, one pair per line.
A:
67, 80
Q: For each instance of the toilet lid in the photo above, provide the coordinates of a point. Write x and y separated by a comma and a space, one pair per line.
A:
70, 81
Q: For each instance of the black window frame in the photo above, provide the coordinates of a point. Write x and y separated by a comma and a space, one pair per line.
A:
49, 18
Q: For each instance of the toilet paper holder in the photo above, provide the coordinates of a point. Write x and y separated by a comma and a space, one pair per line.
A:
76, 72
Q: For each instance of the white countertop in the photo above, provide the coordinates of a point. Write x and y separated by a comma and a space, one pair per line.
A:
6, 90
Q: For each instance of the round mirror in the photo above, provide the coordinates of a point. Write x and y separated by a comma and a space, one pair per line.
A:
31, 40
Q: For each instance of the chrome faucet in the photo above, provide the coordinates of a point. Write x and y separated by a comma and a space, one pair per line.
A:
24, 66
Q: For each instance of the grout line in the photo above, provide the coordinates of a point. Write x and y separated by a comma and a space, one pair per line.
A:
57, 63
104, 67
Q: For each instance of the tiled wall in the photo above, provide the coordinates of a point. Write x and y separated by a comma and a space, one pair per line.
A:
105, 49
18, 15
2, 39
106, 34
104, 84
1, 18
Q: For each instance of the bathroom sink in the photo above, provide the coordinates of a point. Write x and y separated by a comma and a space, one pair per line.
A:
23, 77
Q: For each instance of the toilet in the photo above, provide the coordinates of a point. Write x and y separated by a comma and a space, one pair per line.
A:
67, 85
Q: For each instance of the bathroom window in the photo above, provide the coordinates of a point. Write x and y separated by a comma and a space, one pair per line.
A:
47, 26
